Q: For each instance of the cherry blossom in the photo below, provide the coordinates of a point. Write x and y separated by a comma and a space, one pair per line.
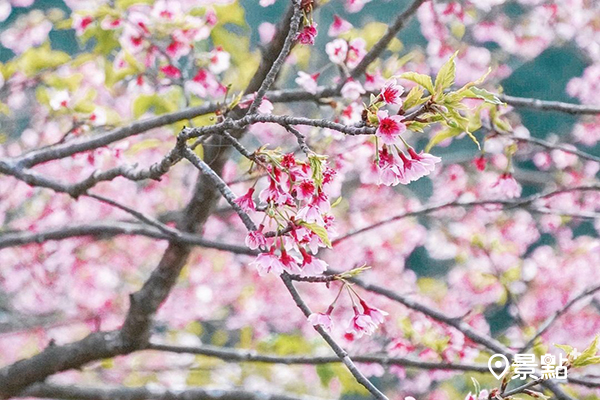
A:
391, 92
312, 265
506, 187
323, 319
389, 128
307, 82
317, 177
308, 34
246, 202
361, 324
337, 51
339, 26
269, 262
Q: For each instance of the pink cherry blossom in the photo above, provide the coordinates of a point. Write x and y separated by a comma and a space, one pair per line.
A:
171, 71
81, 22
480, 163
361, 324
27, 31
323, 319
352, 90
307, 82
338, 26
305, 189
391, 92
376, 315
356, 51
265, 107
268, 262
311, 265
308, 34
374, 81
246, 202
266, 31
425, 159
60, 100
310, 213
354, 6
506, 187
5, 10
389, 128
289, 262
275, 193
256, 239
390, 169
219, 60
337, 51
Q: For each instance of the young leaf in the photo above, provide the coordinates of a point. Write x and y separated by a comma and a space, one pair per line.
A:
564, 347
477, 386
336, 202
446, 75
484, 95
441, 136
588, 354
318, 230
423, 80
413, 98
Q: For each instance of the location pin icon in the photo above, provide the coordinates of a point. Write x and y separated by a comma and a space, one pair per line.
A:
496, 362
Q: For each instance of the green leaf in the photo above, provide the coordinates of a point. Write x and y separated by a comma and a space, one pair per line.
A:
477, 386
160, 104
484, 95
337, 202
142, 104
441, 136
316, 166
414, 98
36, 59
232, 13
588, 355
326, 374
417, 126
588, 361
124, 4
564, 347
423, 80
234, 44
84, 107
318, 230
446, 75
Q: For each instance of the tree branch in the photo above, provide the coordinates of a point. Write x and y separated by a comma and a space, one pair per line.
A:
51, 391
552, 319
278, 63
507, 204
546, 105
383, 43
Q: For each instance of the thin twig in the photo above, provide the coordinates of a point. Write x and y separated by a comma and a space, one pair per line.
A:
546, 105
276, 66
552, 319
383, 43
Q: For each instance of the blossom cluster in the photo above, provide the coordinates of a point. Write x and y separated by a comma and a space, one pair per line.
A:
296, 205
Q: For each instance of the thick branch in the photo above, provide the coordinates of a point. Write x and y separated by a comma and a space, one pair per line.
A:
50, 391
109, 229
